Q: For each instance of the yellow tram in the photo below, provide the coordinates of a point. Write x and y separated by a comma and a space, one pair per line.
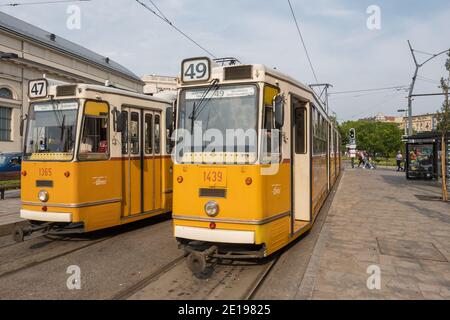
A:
94, 157
267, 158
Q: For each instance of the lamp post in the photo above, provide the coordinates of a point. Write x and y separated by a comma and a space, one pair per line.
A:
405, 119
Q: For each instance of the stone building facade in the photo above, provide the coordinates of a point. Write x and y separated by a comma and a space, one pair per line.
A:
28, 52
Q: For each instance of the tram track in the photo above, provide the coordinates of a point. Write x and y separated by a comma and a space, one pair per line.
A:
252, 291
41, 248
8, 268
233, 280
128, 292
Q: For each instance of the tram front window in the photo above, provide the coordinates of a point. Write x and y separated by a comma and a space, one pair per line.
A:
226, 119
51, 132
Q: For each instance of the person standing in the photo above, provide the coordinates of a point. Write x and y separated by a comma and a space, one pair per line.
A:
399, 159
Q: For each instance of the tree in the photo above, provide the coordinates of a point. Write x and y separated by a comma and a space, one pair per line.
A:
443, 118
378, 138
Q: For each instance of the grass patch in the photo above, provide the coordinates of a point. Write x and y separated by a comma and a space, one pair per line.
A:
8, 183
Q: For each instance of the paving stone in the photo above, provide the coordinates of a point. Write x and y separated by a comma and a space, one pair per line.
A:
412, 231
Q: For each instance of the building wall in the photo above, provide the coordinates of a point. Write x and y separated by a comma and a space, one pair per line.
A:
421, 123
155, 84
34, 61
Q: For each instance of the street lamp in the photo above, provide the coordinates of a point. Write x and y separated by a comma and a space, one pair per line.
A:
405, 119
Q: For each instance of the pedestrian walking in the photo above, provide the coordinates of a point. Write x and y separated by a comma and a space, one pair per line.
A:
399, 159
360, 158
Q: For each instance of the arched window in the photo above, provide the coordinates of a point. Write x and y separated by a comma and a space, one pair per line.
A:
6, 93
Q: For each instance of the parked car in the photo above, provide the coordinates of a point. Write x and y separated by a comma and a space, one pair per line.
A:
10, 164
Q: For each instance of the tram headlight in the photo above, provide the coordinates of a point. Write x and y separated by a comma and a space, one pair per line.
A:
211, 208
43, 195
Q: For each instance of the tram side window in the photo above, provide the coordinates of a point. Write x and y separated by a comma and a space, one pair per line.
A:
148, 133
125, 134
300, 130
157, 133
319, 132
269, 124
169, 143
94, 140
134, 133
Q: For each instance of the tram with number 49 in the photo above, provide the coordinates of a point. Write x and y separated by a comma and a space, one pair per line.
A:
268, 157
94, 157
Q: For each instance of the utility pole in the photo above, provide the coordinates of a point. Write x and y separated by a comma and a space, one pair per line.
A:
411, 87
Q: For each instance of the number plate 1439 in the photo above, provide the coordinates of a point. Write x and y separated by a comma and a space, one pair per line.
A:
214, 177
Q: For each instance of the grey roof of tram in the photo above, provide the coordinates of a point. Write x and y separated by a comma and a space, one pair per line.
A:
26, 30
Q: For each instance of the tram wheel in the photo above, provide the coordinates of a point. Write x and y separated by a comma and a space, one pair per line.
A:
18, 234
196, 262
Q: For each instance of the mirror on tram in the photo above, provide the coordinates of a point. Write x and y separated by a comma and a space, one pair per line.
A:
22, 124
169, 118
278, 106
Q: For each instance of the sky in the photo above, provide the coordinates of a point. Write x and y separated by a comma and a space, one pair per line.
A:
343, 50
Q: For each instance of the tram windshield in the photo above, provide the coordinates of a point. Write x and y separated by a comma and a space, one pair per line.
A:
223, 119
51, 132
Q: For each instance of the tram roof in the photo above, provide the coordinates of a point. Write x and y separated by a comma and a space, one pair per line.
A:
112, 90
217, 72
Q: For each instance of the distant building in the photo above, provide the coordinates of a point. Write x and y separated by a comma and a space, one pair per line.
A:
28, 52
421, 123
155, 84
380, 117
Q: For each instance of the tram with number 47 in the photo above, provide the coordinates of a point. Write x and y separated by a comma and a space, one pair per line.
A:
94, 157
268, 157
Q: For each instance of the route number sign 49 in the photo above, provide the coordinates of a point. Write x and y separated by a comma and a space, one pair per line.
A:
197, 69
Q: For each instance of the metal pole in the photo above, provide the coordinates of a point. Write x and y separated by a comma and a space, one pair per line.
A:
411, 89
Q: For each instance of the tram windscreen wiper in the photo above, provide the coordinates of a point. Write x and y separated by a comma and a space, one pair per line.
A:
203, 102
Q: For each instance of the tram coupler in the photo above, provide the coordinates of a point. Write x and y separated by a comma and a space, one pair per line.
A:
19, 233
197, 260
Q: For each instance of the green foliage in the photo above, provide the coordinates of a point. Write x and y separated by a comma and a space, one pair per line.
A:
374, 137
443, 116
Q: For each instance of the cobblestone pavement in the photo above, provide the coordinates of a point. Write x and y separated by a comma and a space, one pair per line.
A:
379, 219
9, 211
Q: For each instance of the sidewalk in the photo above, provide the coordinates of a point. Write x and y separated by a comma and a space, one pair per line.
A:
9, 212
380, 219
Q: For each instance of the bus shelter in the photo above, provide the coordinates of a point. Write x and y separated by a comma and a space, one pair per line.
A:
423, 156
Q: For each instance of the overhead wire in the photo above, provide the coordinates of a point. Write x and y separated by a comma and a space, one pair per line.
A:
303, 42
161, 16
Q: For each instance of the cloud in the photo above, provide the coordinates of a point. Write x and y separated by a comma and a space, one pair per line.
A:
344, 52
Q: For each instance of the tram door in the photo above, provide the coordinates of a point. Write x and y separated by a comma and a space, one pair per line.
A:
300, 193
141, 165
151, 169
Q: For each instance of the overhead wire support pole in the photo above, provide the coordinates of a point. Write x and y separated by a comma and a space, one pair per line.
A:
413, 82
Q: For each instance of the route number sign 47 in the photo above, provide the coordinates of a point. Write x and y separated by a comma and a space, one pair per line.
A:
37, 88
